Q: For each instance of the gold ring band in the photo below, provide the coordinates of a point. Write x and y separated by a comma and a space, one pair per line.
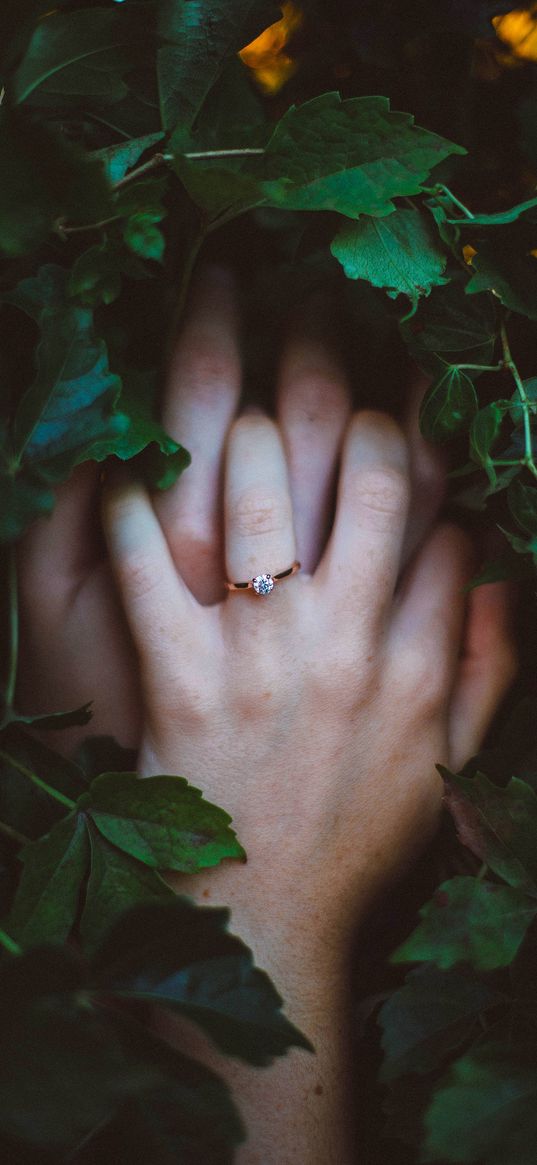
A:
263, 584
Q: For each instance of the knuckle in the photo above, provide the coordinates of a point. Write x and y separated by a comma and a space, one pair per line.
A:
255, 513
138, 576
315, 399
383, 492
424, 685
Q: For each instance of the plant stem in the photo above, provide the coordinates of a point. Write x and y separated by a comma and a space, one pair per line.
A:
13, 600
482, 367
151, 164
13, 834
9, 944
65, 231
435, 190
201, 154
55, 793
509, 363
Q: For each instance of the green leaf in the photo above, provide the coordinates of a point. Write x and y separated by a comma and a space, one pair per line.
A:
485, 1110
46, 903
469, 921
352, 156
505, 264
162, 821
144, 237
187, 1116
118, 160
96, 276
63, 1069
181, 957
71, 183
80, 53
53, 721
499, 825
450, 403
451, 328
431, 1015
522, 502
203, 36
70, 406
24, 806
485, 429
398, 253
160, 459
116, 882
71, 402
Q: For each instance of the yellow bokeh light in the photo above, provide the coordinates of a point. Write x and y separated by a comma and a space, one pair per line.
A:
518, 29
266, 55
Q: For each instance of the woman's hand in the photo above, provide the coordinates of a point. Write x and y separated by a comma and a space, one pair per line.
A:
315, 715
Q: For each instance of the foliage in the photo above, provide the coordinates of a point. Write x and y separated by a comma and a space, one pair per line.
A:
132, 137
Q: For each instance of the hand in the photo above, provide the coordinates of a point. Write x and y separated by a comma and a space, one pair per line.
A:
75, 642
315, 715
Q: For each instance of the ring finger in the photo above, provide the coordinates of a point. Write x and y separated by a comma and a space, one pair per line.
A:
260, 536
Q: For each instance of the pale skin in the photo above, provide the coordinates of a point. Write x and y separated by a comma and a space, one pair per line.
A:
315, 716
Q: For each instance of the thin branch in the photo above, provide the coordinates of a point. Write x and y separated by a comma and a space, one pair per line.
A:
509, 363
13, 631
13, 834
33, 777
9, 944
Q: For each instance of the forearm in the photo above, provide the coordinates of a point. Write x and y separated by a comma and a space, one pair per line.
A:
299, 1111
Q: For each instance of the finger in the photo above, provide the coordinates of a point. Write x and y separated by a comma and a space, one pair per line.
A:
427, 472
58, 551
201, 398
361, 562
487, 669
425, 635
160, 610
313, 407
260, 535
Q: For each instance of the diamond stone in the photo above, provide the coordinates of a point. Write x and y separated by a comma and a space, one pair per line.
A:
263, 584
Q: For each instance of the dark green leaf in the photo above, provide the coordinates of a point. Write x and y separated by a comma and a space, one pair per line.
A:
116, 882
144, 237
118, 160
103, 754
181, 957
162, 821
80, 53
522, 501
187, 1116
499, 825
160, 459
450, 403
46, 903
469, 921
461, 329
429, 1016
203, 37
62, 1068
71, 184
504, 264
70, 404
485, 429
351, 156
485, 1110
96, 275
55, 720
398, 253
